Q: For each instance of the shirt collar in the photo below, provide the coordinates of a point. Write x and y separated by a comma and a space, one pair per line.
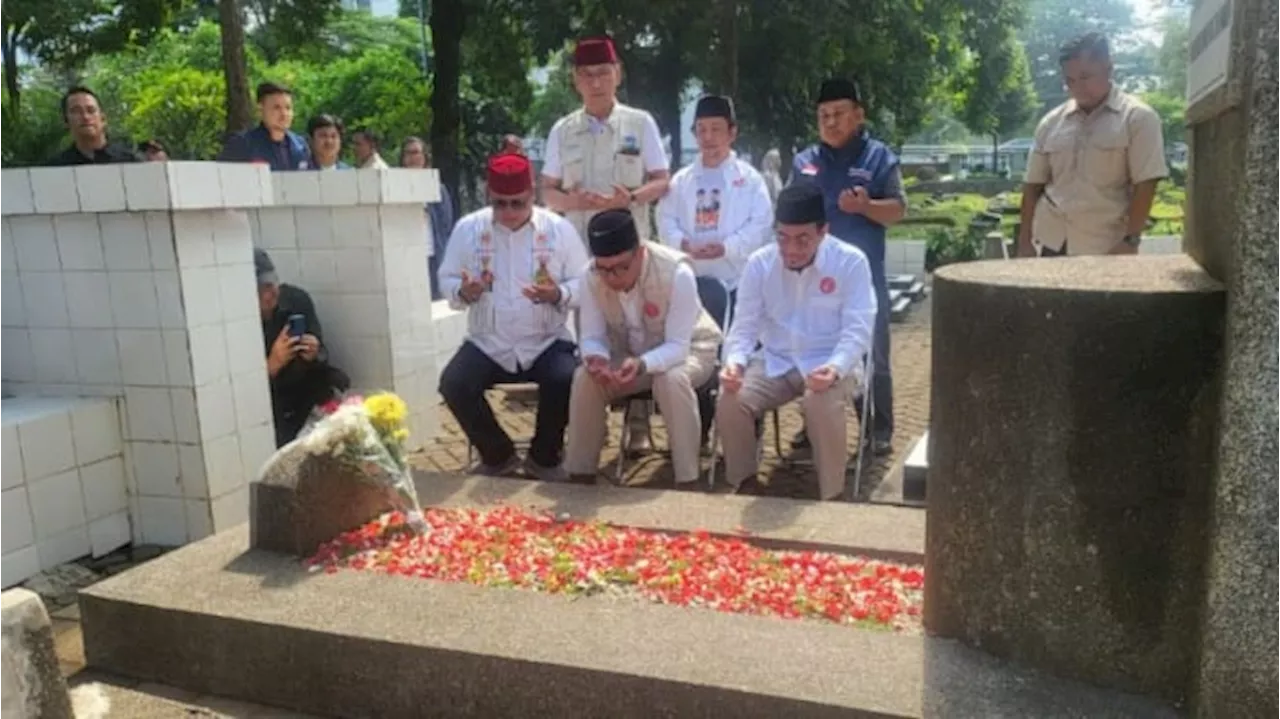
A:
722, 167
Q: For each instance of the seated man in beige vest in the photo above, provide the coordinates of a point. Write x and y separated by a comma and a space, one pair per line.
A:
642, 327
807, 300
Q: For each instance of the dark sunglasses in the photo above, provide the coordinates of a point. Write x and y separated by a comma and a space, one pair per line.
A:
505, 204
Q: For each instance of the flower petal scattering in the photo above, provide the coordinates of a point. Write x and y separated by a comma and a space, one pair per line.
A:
512, 547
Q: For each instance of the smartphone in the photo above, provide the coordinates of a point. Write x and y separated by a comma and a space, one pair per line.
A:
297, 325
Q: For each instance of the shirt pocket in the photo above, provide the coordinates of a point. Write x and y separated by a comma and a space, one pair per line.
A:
1060, 148
1107, 158
628, 170
822, 316
571, 173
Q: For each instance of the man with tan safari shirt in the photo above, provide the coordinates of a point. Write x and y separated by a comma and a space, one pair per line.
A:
642, 328
1092, 172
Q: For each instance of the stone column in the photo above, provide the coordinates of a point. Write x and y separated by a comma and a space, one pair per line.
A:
357, 241
136, 281
1238, 671
1071, 443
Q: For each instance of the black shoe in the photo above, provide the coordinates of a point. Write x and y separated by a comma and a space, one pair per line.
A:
881, 446
586, 479
800, 441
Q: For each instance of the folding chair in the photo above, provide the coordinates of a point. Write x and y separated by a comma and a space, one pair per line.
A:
505, 388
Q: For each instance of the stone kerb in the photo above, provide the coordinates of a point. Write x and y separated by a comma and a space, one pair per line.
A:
357, 242
33, 687
1071, 441
136, 281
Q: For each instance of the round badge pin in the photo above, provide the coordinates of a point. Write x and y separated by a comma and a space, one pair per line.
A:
650, 309
827, 285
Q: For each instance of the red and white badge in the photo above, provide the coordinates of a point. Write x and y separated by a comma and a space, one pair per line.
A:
650, 310
827, 285
808, 169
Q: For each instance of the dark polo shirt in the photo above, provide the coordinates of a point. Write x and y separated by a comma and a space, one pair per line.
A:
107, 154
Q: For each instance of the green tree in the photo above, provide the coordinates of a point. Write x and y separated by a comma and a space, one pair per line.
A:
996, 97
1172, 109
554, 99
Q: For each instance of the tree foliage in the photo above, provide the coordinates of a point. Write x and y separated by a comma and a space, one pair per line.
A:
1052, 23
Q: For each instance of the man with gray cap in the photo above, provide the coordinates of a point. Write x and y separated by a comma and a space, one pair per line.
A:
642, 327
297, 362
809, 302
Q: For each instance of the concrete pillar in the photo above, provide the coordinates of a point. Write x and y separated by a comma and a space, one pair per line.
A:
1238, 670
1071, 441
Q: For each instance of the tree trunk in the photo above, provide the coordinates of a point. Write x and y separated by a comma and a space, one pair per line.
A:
995, 153
729, 48
10, 48
448, 19
235, 67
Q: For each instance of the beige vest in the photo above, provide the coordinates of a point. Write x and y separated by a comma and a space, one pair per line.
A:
660, 265
598, 161
478, 259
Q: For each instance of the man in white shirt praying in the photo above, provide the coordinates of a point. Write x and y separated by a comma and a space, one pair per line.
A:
809, 302
515, 268
642, 328
718, 209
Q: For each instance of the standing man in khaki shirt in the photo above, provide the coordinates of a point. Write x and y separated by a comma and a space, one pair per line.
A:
1092, 173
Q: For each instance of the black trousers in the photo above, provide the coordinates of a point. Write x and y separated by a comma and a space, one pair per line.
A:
471, 372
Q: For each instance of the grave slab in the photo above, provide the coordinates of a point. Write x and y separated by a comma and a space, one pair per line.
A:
915, 470
220, 618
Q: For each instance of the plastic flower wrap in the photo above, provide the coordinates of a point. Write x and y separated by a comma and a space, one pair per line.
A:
368, 433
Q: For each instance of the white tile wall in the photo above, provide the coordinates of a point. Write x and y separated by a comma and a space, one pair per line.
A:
257, 444
133, 299
252, 398
208, 353
97, 357
15, 520
53, 190
101, 188
201, 296
341, 189
109, 533
8, 258
45, 299
64, 547
231, 509
17, 361
57, 504
35, 245
88, 299
149, 413
13, 312
195, 482
21, 564
160, 239
193, 238
104, 488
297, 188
276, 228
142, 360
224, 465
177, 357
54, 356
238, 291
125, 243
199, 519
315, 228
215, 406
163, 520
95, 428
46, 444
185, 419
79, 242
169, 299
195, 185
11, 455
146, 186
16, 188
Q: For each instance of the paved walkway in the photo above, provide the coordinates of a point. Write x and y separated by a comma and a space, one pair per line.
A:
910, 357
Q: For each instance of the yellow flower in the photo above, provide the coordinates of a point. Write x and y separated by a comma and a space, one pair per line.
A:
386, 411
400, 435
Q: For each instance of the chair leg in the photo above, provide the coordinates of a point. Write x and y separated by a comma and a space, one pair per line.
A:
713, 439
648, 428
777, 436
623, 440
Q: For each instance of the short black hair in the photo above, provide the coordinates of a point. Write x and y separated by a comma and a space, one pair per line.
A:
321, 121
78, 90
151, 146
370, 135
1091, 44
267, 89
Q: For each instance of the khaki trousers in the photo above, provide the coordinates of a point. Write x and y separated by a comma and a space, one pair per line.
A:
675, 392
824, 419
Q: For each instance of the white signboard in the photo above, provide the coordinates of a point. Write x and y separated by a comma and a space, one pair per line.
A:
1209, 48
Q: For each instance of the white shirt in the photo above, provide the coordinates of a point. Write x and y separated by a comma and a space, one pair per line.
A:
375, 162
742, 214
520, 330
821, 315
682, 316
651, 152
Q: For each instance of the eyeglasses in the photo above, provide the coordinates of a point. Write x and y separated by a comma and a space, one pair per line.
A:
508, 204
614, 270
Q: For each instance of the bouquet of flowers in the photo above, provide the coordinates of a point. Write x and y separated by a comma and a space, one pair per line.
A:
368, 433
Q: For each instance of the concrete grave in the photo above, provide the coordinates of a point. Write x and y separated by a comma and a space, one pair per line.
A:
222, 617
33, 687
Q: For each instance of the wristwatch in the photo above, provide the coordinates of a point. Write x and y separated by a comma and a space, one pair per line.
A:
1132, 240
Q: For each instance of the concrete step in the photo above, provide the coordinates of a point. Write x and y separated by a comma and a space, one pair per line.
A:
916, 469
900, 282
898, 310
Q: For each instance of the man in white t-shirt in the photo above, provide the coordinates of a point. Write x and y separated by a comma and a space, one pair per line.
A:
718, 209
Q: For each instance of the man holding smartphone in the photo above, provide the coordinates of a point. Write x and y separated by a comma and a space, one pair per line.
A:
297, 364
